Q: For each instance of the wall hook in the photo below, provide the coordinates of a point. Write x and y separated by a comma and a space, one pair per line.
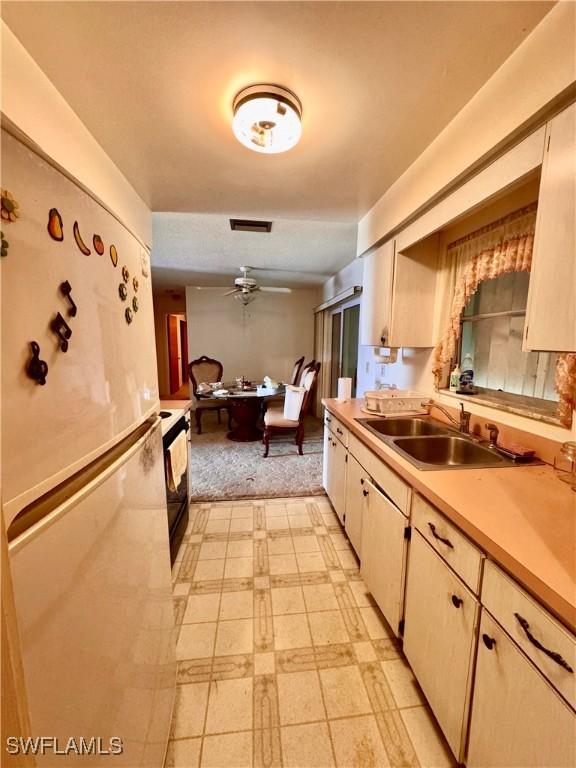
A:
62, 330
66, 289
37, 369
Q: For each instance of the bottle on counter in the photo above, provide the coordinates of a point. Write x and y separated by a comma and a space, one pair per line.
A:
455, 378
467, 372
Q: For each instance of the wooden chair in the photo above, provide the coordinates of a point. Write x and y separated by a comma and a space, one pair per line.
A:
308, 367
296, 371
278, 401
274, 421
205, 369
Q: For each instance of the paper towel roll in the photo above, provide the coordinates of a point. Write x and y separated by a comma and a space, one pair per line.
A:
344, 390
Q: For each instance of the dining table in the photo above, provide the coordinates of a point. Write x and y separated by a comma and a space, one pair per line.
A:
245, 403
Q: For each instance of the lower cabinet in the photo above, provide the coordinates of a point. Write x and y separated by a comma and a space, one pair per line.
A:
499, 681
518, 719
384, 546
356, 494
441, 617
335, 473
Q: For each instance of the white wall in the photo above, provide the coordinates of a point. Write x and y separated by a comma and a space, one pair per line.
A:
538, 70
34, 105
265, 338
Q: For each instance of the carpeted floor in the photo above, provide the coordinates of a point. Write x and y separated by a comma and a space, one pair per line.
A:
222, 469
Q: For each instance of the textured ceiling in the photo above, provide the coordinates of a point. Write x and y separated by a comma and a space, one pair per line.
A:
201, 249
154, 83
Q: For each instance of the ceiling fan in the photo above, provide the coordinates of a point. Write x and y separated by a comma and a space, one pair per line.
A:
246, 288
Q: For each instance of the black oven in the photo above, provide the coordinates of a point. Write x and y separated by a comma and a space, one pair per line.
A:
177, 501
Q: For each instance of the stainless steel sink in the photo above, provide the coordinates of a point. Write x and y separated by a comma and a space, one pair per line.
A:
404, 427
430, 444
448, 452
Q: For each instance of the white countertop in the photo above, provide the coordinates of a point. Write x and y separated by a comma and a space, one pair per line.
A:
177, 409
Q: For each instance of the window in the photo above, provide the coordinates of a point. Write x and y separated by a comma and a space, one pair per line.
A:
492, 333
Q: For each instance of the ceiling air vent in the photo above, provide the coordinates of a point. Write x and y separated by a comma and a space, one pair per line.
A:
247, 225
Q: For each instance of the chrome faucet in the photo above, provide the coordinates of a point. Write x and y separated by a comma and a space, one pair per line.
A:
463, 423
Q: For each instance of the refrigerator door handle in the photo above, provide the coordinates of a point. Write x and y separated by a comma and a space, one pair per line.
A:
28, 519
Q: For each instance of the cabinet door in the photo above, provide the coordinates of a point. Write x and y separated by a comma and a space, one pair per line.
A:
518, 719
377, 296
335, 482
553, 274
356, 478
384, 553
439, 638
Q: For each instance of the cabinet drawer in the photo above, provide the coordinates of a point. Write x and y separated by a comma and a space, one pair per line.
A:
523, 618
336, 427
392, 485
459, 553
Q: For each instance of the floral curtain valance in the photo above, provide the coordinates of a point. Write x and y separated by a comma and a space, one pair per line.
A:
502, 247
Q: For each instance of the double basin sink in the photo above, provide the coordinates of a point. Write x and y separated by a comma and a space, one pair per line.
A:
428, 444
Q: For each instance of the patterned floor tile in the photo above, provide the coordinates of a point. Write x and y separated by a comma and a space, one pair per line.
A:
298, 660
396, 741
284, 658
189, 562
267, 749
340, 655
266, 714
350, 613
179, 609
261, 565
194, 671
263, 625
230, 667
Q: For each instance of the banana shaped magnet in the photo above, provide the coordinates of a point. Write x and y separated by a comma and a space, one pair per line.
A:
79, 242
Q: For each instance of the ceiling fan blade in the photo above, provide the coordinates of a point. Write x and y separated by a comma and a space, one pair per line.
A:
270, 289
229, 293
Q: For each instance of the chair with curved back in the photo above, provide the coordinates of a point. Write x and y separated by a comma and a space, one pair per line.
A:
206, 369
296, 371
278, 401
275, 422
303, 371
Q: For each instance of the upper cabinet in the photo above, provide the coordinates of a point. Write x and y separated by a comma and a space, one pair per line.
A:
398, 295
551, 313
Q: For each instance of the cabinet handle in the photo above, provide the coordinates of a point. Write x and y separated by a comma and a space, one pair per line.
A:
361, 481
436, 536
553, 654
488, 641
328, 420
339, 431
365, 492
456, 601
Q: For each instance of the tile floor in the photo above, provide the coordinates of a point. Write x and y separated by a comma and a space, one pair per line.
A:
283, 657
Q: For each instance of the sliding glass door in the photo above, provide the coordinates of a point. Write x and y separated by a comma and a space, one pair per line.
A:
344, 357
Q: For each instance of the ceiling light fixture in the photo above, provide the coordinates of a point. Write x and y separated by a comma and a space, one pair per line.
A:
246, 297
267, 118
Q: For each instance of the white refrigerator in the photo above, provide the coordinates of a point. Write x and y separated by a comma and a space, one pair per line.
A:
83, 490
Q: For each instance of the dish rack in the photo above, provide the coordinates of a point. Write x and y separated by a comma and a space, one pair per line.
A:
395, 401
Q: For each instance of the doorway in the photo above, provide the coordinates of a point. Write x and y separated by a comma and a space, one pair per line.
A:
178, 356
345, 334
